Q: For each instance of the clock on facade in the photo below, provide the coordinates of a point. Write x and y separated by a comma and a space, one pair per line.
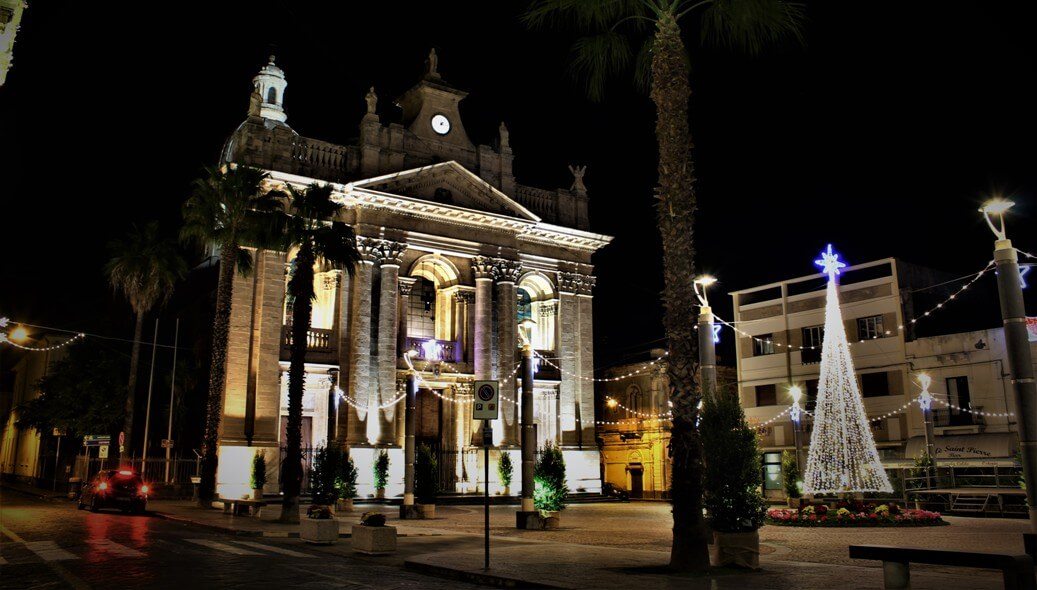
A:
440, 124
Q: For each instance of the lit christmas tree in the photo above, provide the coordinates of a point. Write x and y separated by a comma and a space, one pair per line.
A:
842, 454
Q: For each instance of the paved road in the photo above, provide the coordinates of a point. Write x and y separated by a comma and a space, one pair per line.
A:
50, 544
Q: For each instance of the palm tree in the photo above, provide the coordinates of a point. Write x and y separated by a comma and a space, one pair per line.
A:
144, 268
644, 38
311, 230
228, 210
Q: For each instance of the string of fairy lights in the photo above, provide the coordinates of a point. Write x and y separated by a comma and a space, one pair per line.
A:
19, 333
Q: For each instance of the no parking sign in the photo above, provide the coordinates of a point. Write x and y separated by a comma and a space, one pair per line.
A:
487, 400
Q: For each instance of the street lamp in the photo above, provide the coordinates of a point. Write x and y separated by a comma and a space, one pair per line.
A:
407, 509
18, 335
796, 414
925, 402
528, 428
707, 342
1013, 315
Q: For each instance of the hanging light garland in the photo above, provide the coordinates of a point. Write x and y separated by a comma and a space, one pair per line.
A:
645, 367
5, 338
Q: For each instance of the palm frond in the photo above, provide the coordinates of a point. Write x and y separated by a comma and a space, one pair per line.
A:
752, 25
144, 267
584, 16
597, 58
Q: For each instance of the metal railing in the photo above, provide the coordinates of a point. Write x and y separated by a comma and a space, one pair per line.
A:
151, 470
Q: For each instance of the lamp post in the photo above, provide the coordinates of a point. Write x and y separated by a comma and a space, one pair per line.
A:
1013, 315
925, 402
407, 509
796, 414
528, 428
707, 338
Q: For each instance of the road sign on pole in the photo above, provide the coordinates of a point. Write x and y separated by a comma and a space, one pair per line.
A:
102, 452
96, 440
167, 443
487, 400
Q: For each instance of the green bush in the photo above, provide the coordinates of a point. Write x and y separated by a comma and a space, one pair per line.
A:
324, 473
426, 475
258, 470
381, 471
549, 476
505, 469
345, 482
732, 478
790, 474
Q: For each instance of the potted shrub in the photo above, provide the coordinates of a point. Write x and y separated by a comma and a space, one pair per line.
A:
372, 537
504, 472
345, 484
319, 526
426, 481
323, 474
790, 478
381, 474
550, 492
258, 475
731, 482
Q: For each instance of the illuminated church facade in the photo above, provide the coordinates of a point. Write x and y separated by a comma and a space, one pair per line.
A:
456, 253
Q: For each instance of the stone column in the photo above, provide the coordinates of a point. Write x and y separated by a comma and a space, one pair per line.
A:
361, 387
506, 274
482, 268
389, 258
342, 332
568, 322
585, 345
468, 332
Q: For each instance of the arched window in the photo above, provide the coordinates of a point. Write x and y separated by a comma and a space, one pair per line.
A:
421, 310
271, 95
634, 398
536, 301
525, 305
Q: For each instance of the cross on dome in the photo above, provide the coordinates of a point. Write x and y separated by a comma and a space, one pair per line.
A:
829, 262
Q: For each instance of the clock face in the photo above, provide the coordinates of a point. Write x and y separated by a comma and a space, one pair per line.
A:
440, 124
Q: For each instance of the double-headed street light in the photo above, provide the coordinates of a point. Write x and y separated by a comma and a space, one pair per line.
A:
707, 342
407, 509
1020, 364
528, 428
796, 414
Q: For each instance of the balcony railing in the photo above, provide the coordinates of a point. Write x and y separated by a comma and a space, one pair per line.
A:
318, 340
430, 349
944, 417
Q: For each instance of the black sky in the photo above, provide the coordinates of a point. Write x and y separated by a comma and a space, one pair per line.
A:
882, 134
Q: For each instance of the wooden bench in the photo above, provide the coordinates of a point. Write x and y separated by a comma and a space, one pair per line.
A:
896, 574
235, 507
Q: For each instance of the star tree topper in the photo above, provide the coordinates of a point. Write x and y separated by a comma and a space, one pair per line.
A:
829, 262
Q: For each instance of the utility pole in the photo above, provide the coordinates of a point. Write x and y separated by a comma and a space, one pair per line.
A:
147, 411
172, 393
707, 341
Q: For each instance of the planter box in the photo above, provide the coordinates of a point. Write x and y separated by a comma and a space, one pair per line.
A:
318, 531
374, 540
427, 511
344, 505
794, 502
735, 549
257, 494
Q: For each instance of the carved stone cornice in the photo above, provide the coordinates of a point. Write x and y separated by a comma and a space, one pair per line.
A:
390, 252
464, 296
569, 282
587, 283
482, 267
506, 271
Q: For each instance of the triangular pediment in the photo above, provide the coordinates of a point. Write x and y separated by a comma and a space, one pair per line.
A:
448, 184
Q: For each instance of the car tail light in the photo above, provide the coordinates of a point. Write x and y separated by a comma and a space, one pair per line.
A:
103, 485
144, 489
124, 472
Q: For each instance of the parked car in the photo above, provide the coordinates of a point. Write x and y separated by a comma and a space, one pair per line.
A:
115, 488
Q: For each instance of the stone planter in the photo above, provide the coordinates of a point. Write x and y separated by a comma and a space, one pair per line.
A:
374, 540
344, 505
427, 511
552, 519
319, 531
257, 494
379, 493
735, 549
507, 491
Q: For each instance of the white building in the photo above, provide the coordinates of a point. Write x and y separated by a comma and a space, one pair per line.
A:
456, 251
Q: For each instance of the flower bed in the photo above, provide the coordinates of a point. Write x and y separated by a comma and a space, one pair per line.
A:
853, 515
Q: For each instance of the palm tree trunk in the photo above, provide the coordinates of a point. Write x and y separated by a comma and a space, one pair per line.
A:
217, 376
300, 287
131, 387
675, 208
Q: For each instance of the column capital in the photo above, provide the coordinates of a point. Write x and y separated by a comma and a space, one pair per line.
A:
390, 252
574, 282
368, 249
406, 284
464, 296
506, 271
482, 267
587, 283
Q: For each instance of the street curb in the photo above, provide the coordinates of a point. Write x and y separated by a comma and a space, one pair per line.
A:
480, 578
268, 534
32, 493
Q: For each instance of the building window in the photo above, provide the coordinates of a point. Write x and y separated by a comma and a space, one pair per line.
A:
811, 391
772, 471
525, 305
870, 327
634, 398
767, 395
874, 384
271, 95
421, 310
763, 344
958, 393
813, 338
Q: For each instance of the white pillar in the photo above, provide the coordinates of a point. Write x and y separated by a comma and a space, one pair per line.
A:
506, 273
482, 268
389, 259
360, 383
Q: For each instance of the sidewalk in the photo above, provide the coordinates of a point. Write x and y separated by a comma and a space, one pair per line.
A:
562, 565
268, 526
30, 490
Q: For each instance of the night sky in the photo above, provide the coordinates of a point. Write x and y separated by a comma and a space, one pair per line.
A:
882, 134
